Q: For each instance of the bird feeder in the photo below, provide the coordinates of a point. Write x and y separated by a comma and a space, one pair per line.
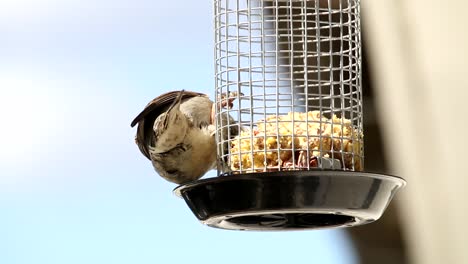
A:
290, 145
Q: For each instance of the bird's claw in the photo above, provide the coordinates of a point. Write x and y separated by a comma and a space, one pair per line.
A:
227, 99
302, 162
302, 159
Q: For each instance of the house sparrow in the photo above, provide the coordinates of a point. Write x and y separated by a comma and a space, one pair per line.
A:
176, 131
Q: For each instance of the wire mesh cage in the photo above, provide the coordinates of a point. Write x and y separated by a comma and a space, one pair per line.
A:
294, 67
289, 120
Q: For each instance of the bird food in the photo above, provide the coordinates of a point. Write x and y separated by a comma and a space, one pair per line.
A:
297, 141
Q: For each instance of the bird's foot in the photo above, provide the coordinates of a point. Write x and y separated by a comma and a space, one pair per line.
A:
227, 99
302, 159
303, 163
314, 162
223, 166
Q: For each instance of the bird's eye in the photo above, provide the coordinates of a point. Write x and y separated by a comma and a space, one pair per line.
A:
172, 171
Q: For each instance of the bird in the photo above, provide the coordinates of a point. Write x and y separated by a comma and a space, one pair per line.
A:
176, 132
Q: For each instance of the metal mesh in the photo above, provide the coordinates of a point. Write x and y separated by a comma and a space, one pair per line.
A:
293, 69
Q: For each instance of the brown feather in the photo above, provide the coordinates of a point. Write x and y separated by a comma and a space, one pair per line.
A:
153, 109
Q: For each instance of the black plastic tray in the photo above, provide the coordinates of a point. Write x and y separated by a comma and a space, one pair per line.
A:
290, 200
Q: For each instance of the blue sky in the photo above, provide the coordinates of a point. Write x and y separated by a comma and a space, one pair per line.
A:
73, 186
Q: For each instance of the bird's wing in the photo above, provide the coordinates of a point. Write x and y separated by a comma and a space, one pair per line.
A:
155, 108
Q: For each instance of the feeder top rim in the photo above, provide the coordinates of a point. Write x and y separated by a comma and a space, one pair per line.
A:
324, 173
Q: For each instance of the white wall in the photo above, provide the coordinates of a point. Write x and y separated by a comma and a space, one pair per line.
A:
418, 52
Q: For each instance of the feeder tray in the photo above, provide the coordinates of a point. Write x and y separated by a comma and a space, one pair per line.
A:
290, 200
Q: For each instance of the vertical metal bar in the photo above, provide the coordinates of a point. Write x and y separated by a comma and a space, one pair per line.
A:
350, 21
342, 90
217, 66
360, 123
304, 15
277, 48
290, 38
319, 77
249, 98
263, 50
332, 90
